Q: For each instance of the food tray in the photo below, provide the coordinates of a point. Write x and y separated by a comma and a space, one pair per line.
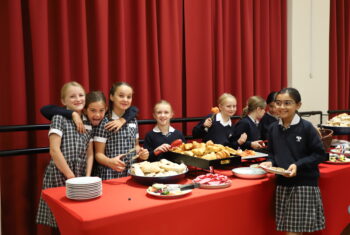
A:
257, 155
249, 172
201, 163
338, 130
149, 180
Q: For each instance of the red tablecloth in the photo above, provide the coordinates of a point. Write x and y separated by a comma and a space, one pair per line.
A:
244, 208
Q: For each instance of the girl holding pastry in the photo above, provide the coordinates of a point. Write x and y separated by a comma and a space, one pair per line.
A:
163, 134
116, 151
249, 124
71, 152
295, 145
218, 127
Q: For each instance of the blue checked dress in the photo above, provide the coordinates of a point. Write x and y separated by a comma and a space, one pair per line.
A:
74, 147
116, 143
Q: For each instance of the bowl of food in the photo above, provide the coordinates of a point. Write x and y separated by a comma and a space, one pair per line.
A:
162, 171
249, 172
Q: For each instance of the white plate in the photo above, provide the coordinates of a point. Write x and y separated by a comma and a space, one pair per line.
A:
180, 194
83, 180
208, 186
270, 170
249, 172
81, 198
256, 155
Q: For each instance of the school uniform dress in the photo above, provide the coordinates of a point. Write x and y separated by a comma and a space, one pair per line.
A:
249, 126
156, 138
220, 132
74, 146
298, 199
265, 124
117, 143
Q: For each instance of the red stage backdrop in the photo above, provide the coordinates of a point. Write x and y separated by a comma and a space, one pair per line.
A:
185, 51
339, 54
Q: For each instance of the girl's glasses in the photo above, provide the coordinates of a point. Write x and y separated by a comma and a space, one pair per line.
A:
286, 103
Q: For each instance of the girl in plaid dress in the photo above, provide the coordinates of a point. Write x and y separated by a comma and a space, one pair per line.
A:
71, 151
110, 147
295, 145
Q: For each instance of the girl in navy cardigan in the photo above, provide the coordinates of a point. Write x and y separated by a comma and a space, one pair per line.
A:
270, 115
295, 145
249, 124
159, 139
218, 128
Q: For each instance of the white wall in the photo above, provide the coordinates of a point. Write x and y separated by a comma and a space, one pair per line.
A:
308, 52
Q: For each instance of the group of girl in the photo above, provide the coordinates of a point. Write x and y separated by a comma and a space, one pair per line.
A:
293, 143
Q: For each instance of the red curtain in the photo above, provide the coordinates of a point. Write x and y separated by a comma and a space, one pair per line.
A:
185, 51
339, 54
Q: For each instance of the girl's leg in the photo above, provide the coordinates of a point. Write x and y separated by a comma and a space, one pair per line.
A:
292, 233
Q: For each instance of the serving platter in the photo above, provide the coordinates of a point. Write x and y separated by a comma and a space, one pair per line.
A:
275, 170
249, 172
149, 180
338, 130
200, 162
169, 196
256, 155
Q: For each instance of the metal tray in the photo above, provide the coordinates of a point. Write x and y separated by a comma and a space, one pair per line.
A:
149, 180
338, 130
202, 163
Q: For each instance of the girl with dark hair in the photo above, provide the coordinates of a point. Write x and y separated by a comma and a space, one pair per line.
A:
249, 124
110, 146
295, 145
270, 115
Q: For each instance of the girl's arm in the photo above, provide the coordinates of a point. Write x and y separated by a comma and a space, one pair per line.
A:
89, 159
129, 114
242, 140
57, 156
317, 153
199, 131
141, 152
49, 111
115, 163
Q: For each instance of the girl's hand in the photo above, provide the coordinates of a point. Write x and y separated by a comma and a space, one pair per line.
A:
70, 176
266, 164
242, 139
293, 171
117, 164
257, 144
162, 148
208, 122
143, 154
115, 125
78, 122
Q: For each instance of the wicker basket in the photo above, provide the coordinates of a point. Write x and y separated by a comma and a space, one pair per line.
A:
326, 137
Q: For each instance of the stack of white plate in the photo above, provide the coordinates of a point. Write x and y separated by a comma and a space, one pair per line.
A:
83, 188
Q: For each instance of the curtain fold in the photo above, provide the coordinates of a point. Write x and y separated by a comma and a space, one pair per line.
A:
339, 54
185, 51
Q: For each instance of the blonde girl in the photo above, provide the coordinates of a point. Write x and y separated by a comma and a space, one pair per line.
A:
218, 128
249, 124
71, 151
163, 134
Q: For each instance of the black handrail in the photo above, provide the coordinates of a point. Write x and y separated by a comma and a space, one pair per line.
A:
338, 111
25, 151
